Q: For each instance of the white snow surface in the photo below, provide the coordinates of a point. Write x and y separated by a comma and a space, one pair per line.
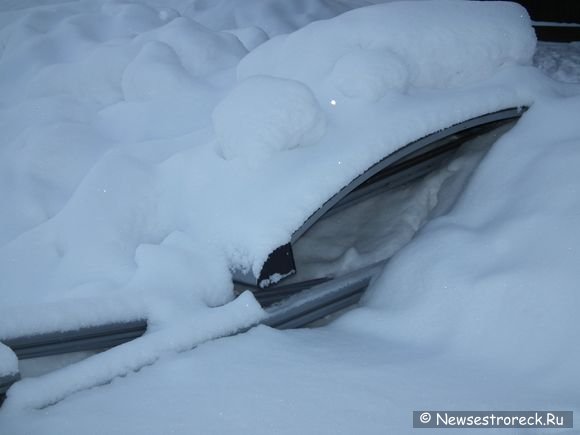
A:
134, 100
70, 314
184, 335
436, 44
264, 114
510, 239
272, 17
8, 361
130, 189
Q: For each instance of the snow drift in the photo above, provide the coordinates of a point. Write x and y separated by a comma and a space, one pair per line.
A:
496, 279
154, 175
116, 192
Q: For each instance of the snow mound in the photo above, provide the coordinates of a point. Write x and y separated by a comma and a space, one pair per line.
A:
496, 280
117, 207
156, 71
251, 36
108, 146
266, 114
201, 50
273, 16
442, 43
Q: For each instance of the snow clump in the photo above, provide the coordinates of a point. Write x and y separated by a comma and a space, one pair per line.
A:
264, 115
8, 361
369, 74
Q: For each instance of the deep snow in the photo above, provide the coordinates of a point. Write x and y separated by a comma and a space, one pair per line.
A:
126, 194
160, 180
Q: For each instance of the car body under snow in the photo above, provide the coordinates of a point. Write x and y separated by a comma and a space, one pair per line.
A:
264, 215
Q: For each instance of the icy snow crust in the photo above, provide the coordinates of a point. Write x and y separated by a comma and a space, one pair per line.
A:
127, 177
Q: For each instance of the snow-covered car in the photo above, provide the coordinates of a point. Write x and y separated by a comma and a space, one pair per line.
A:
192, 173
303, 287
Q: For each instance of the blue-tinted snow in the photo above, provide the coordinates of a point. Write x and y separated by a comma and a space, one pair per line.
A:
113, 191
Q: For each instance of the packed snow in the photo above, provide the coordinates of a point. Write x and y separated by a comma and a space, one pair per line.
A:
149, 149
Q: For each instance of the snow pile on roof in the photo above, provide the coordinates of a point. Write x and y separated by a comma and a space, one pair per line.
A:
383, 52
427, 44
265, 114
370, 74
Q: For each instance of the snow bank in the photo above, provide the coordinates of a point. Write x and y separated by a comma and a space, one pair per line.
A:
119, 361
265, 114
116, 206
436, 44
498, 276
81, 200
137, 204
